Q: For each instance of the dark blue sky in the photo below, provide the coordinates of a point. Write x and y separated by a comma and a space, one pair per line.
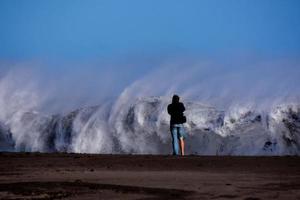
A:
217, 51
88, 29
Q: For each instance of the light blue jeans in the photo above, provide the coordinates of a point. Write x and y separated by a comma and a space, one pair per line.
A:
177, 131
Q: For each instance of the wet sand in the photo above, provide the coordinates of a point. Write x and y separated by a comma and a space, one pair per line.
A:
86, 176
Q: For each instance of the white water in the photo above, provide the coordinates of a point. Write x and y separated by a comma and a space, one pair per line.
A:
138, 123
142, 127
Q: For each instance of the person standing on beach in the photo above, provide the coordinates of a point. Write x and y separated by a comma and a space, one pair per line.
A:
176, 109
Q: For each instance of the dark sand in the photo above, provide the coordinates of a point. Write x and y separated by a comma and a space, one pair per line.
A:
84, 176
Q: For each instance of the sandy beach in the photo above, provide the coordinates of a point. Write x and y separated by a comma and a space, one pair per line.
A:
86, 176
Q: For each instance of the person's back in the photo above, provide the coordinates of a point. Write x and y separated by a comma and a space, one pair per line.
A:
176, 109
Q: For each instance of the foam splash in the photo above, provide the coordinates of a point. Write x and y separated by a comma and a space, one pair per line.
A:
142, 127
136, 121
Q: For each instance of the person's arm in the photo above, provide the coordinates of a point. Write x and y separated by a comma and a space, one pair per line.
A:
183, 108
169, 109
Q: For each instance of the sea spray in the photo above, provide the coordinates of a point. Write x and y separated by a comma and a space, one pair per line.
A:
239, 112
142, 127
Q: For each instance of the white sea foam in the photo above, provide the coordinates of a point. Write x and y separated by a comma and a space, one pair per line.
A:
136, 121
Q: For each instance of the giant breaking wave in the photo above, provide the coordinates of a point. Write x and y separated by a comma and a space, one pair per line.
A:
249, 110
141, 126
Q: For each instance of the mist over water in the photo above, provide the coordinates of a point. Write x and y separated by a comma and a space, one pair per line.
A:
233, 108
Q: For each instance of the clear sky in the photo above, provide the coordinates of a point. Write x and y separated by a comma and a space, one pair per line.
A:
93, 29
102, 47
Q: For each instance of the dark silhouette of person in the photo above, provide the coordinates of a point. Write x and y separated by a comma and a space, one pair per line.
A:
176, 109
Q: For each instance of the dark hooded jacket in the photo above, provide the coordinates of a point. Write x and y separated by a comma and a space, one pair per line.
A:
176, 109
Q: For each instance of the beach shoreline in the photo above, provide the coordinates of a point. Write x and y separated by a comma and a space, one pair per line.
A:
105, 176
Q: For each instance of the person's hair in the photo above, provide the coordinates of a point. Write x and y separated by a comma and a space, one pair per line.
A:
175, 98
